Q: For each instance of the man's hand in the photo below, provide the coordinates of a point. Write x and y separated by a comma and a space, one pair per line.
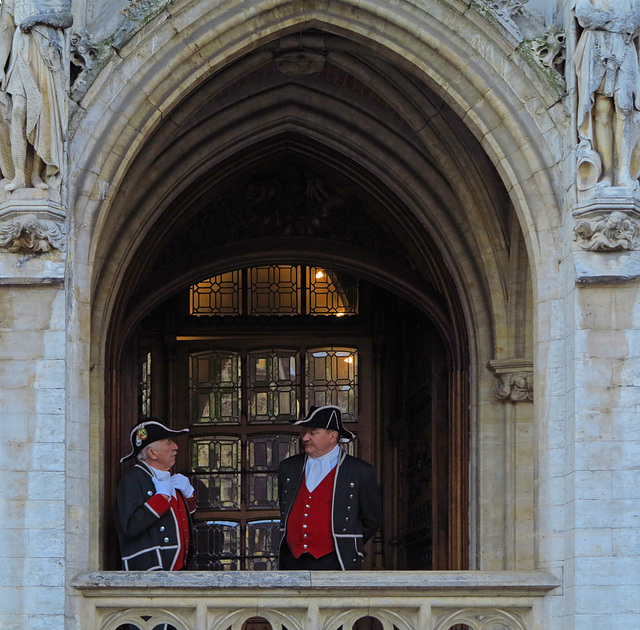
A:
163, 486
180, 482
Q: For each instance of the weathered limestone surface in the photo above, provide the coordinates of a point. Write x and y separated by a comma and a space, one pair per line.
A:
32, 454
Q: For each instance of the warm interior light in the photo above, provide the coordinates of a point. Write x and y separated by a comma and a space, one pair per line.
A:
339, 314
349, 360
319, 274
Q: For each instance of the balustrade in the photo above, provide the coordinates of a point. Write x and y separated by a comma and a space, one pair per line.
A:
323, 600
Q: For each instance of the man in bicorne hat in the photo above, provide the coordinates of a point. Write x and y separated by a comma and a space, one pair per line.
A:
153, 507
330, 502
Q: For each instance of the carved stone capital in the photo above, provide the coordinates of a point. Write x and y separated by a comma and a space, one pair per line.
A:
608, 224
32, 222
514, 379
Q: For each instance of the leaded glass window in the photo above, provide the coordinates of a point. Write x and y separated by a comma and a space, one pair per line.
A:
274, 290
214, 388
217, 545
271, 290
331, 293
272, 385
242, 402
265, 452
331, 379
216, 464
219, 295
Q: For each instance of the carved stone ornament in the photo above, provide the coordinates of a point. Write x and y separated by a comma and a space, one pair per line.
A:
550, 51
514, 380
140, 9
300, 62
608, 225
32, 226
505, 11
83, 54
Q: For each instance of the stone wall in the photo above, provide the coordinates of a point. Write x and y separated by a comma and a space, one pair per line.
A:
32, 449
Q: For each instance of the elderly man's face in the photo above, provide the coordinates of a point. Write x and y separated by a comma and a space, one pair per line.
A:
318, 442
162, 454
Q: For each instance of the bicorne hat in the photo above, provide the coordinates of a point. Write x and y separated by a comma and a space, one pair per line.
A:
147, 432
327, 417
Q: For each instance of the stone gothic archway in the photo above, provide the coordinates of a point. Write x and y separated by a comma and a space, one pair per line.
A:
430, 141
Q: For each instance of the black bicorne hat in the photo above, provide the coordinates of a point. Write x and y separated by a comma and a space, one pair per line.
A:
147, 432
327, 417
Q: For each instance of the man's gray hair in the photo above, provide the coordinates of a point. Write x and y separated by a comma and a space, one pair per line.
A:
142, 455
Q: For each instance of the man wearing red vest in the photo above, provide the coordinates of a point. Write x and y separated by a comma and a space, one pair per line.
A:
330, 502
154, 507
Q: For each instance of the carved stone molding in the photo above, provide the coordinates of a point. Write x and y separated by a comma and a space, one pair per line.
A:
514, 379
32, 223
504, 11
608, 224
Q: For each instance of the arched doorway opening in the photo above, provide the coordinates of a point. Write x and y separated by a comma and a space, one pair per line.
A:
286, 289
370, 175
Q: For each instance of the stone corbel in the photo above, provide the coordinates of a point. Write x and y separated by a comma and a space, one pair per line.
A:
608, 224
32, 221
514, 379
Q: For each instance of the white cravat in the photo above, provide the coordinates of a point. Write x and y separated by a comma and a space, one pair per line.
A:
163, 476
317, 468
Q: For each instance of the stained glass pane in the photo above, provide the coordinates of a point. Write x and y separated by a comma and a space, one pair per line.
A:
330, 292
263, 539
219, 295
216, 464
332, 379
214, 386
264, 456
274, 290
272, 385
216, 546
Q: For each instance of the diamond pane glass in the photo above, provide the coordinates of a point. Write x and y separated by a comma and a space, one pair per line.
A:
272, 386
216, 546
263, 539
216, 464
332, 380
330, 292
219, 295
274, 290
214, 388
264, 456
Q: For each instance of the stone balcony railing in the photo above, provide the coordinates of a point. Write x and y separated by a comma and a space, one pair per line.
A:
323, 600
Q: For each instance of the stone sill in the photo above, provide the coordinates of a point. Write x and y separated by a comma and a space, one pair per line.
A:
307, 583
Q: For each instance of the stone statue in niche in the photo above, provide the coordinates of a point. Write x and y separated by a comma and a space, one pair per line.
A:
33, 78
608, 75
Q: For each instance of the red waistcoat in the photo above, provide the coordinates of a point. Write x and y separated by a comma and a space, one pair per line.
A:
309, 524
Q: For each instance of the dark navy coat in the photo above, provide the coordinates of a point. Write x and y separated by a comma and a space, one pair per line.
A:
148, 542
356, 504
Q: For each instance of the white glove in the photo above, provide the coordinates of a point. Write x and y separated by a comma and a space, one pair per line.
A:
180, 482
163, 486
